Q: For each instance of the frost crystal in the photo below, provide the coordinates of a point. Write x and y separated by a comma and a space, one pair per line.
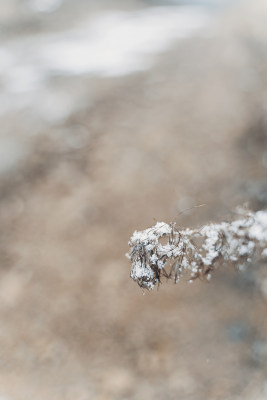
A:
165, 251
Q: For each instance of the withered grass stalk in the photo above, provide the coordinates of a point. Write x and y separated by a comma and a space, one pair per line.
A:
165, 251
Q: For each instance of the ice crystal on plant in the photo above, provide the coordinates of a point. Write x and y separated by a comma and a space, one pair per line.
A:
236, 242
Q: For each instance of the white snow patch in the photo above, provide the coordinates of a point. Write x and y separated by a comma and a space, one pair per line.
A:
114, 43
258, 230
45, 6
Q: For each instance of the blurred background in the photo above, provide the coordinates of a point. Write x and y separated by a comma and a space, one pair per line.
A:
114, 114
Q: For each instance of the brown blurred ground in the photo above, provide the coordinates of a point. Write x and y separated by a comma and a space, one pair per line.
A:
192, 130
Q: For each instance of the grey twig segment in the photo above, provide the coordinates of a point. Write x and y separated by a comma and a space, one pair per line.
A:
164, 251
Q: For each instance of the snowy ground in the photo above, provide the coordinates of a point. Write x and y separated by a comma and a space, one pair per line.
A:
112, 43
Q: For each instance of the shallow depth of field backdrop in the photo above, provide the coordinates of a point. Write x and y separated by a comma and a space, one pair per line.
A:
114, 114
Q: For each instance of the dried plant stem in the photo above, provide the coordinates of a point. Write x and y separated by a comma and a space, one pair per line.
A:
164, 251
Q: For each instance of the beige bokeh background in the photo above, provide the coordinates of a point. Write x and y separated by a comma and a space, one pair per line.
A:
190, 130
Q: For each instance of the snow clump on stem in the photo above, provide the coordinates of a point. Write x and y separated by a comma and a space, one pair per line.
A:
165, 251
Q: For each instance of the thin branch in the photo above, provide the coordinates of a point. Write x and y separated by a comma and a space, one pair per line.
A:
164, 251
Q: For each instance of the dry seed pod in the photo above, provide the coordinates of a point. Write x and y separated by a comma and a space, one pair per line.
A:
237, 242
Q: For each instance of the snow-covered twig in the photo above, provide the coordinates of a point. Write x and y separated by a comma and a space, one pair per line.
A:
164, 251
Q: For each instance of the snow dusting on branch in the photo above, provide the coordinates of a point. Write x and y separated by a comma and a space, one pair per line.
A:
164, 251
